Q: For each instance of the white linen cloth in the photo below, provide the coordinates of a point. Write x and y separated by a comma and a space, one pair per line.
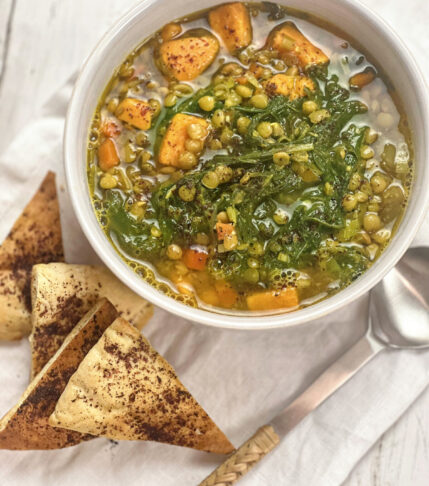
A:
241, 378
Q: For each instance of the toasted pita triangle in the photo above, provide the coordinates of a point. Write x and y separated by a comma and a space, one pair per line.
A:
26, 425
35, 238
62, 293
124, 389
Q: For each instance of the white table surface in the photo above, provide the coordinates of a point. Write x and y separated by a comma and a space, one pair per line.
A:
43, 41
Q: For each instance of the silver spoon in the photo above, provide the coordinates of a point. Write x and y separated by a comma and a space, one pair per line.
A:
398, 318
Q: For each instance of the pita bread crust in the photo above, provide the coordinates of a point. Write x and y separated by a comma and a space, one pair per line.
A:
35, 238
124, 389
62, 293
26, 426
16, 319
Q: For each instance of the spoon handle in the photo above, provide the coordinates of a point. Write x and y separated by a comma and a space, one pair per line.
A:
268, 437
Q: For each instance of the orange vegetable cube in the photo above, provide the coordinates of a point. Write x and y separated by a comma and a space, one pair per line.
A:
108, 155
232, 23
195, 259
224, 229
173, 143
137, 113
294, 47
291, 86
187, 57
273, 299
227, 294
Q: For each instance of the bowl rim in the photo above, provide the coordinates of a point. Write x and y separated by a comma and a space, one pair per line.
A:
103, 247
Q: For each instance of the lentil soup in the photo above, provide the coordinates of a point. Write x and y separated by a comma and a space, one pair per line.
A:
249, 158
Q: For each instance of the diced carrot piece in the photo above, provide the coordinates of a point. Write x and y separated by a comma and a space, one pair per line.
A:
187, 57
195, 259
291, 86
110, 129
359, 80
173, 143
232, 23
224, 229
242, 80
273, 299
108, 155
294, 47
137, 113
227, 294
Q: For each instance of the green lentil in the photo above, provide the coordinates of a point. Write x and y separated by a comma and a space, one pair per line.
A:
206, 103
224, 173
253, 263
155, 232
194, 146
130, 153
251, 275
259, 100
309, 107
187, 193
187, 160
366, 152
210, 180
226, 136
108, 181
318, 116
244, 91
277, 129
233, 99
350, 202
280, 217
156, 107
112, 105
371, 222
170, 100
371, 136
265, 129
379, 182
242, 124
281, 159
218, 119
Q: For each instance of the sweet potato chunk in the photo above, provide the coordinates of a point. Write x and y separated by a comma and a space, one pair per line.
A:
108, 155
227, 295
137, 113
173, 143
195, 259
291, 86
273, 299
294, 47
187, 57
232, 23
224, 229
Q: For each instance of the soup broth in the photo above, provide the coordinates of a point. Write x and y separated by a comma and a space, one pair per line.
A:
249, 158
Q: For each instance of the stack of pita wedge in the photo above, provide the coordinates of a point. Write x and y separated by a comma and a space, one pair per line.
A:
123, 389
62, 293
34, 238
93, 373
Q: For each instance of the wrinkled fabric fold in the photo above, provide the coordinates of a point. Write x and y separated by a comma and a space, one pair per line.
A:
241, 378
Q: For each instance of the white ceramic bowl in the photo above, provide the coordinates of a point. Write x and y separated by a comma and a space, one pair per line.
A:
150, 15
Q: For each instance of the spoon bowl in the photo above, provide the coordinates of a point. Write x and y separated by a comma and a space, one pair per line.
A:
399, 306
